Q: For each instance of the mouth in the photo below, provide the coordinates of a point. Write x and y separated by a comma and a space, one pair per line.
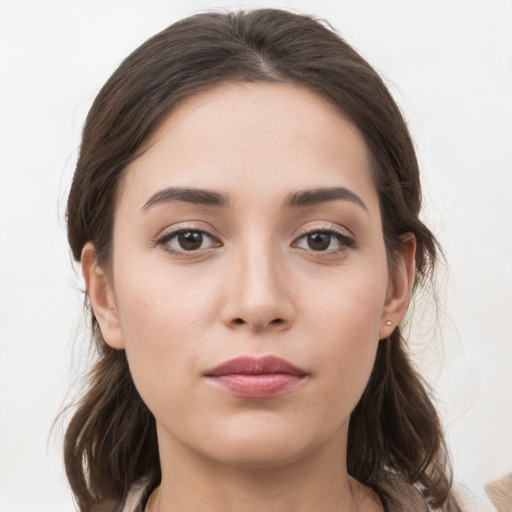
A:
248, 377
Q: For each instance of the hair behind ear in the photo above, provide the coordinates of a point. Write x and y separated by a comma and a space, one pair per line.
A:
112, 427
395, 428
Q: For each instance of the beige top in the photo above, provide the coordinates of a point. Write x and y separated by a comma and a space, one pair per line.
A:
411, 499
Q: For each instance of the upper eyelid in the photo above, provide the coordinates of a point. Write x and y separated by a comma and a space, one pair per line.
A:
325, 226
337, 233
323, 230
181, 227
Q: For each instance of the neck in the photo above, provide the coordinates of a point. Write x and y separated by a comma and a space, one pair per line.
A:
317, 481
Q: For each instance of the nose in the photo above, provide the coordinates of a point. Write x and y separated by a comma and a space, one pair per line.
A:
259, 294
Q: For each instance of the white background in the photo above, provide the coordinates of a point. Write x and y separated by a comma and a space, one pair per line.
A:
448, 63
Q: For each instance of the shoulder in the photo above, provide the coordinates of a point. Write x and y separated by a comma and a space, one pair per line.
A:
473, 497
500, 492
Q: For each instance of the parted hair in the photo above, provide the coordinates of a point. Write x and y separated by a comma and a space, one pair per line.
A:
111, 441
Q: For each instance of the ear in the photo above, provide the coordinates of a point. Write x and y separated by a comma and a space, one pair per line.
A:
101, 296
400, 287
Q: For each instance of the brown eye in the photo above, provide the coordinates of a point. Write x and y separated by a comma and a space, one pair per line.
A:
190, 240
325, 240
319, 241
182, 241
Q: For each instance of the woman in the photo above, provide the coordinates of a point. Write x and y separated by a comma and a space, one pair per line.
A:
245, 209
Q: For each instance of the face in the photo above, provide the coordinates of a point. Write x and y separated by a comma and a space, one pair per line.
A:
250, 228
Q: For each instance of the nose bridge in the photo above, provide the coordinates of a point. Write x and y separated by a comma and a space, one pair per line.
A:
259, 295
259, 276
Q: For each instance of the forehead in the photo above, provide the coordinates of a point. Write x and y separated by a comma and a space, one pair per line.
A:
253, 136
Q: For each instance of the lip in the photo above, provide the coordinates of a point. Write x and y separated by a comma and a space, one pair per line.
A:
249, 377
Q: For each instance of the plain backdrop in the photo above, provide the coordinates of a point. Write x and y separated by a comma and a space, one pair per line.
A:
449, 65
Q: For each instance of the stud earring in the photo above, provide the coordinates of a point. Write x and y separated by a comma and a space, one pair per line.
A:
389, 323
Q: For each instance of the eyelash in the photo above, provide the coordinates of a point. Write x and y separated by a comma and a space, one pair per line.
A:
346, 242
165, 240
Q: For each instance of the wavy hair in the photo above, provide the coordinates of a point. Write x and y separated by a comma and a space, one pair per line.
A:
111, 441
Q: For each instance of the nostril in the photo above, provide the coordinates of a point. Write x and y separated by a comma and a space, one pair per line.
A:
241, 321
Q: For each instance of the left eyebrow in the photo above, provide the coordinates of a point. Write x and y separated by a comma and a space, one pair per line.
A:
320, 195
188, 195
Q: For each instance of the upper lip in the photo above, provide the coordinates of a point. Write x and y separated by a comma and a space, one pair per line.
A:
255, 366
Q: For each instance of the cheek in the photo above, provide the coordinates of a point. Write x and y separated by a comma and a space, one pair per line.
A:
345, 320
159, 303
349, 305
163, 320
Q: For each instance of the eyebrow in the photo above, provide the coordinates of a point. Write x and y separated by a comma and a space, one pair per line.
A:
189, 195
207, 197
320, 195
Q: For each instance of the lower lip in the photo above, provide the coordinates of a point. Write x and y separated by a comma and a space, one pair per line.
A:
256, 386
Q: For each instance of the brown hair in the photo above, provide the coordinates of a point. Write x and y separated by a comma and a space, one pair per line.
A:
111, 440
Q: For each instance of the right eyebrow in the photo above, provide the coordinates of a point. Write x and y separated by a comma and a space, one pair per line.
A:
189, 195
320, 195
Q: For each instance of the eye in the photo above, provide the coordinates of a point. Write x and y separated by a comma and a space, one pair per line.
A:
324, 241
187, 240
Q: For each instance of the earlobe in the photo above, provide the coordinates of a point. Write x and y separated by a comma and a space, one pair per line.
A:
101, 296
400, 287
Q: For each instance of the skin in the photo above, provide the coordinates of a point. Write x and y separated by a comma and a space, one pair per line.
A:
254, 287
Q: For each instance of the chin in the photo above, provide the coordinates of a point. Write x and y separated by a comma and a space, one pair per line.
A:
265, 446
259, 454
